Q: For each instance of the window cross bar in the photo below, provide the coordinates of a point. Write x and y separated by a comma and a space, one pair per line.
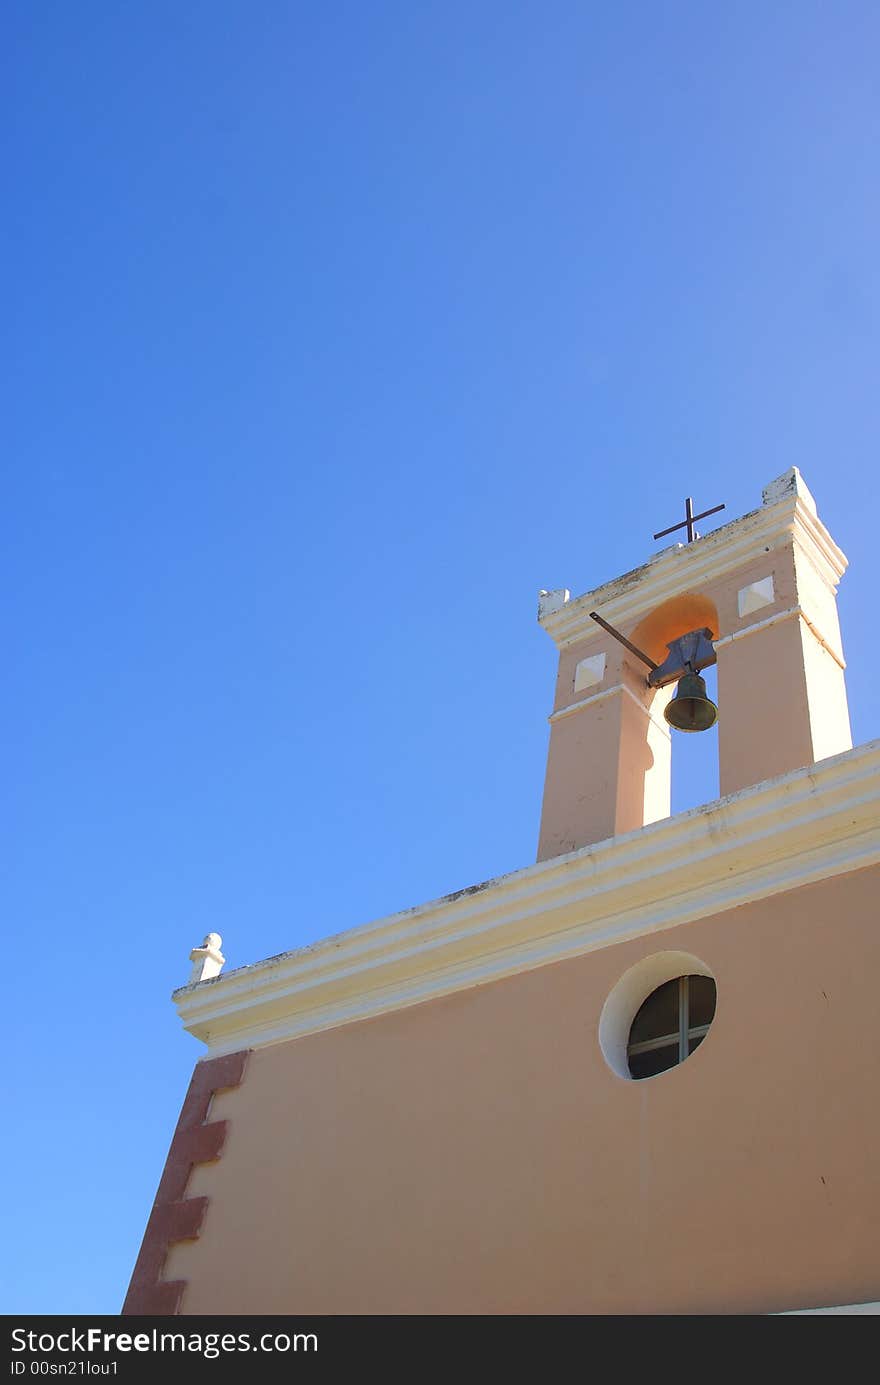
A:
696, 1031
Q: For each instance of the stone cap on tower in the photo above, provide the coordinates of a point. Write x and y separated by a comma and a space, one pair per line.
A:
787, 508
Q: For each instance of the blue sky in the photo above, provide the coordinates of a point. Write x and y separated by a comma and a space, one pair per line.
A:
334, 332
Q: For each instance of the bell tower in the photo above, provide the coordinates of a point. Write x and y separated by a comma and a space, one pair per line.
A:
764, 587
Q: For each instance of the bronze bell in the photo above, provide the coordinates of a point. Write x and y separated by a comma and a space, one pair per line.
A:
690, 708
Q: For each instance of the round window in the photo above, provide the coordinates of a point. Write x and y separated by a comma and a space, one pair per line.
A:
670, 1024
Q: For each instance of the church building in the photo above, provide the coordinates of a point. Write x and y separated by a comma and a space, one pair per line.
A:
637, 1076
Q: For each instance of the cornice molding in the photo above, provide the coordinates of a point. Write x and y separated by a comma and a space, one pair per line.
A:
780, 616
692, 566
601, 697
814, 823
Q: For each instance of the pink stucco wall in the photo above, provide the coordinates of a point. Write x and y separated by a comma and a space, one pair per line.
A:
475, 1154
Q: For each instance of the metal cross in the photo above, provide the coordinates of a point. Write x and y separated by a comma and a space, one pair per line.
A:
689, 521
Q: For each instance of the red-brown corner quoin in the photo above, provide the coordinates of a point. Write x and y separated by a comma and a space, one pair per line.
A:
175, 1217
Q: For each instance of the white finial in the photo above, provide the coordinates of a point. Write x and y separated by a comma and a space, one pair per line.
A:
207, 960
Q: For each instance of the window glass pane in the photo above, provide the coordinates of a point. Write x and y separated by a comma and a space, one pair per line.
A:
658, 1015
657, 1060
701, 994
657, 1022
